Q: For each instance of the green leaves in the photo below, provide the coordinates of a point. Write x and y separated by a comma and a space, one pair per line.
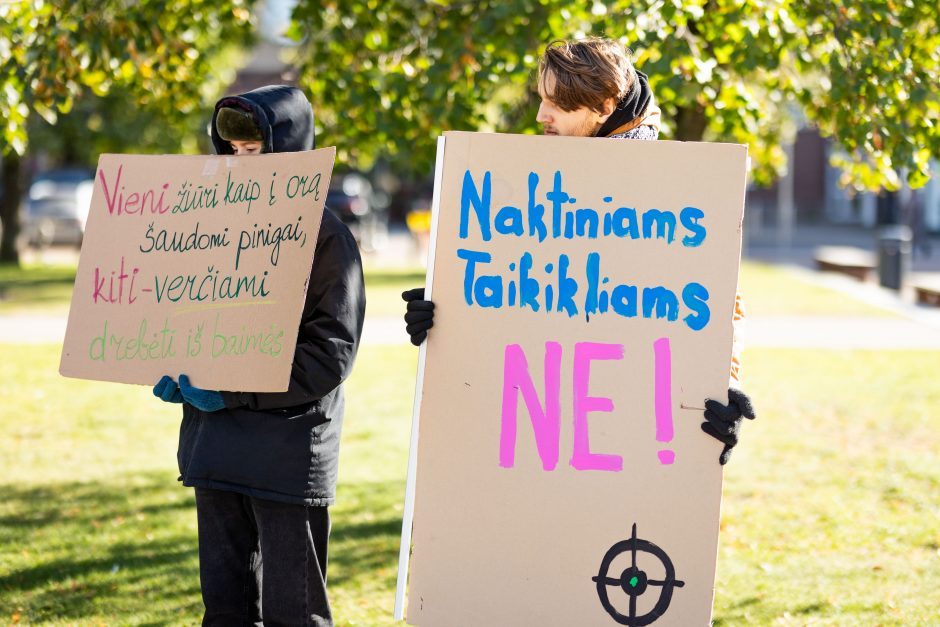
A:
875, 68
388, 77
160, 54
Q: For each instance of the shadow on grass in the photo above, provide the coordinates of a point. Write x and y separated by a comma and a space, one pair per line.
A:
738, 613
127, 548
366, 532
75, 550
75, 504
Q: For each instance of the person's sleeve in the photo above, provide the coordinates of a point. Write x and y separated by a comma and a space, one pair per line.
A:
737, 324
329, 333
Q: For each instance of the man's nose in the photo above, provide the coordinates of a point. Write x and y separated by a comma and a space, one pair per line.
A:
543, 117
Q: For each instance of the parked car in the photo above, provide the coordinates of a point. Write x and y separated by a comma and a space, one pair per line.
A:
348, 197
354, 201
56, 208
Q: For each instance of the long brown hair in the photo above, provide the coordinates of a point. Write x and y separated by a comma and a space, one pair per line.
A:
586, 73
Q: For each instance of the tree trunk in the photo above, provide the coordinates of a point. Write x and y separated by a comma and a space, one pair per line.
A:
10, 207
690, 123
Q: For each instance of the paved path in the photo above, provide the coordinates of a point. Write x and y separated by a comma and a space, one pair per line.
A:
32, 329
840, 333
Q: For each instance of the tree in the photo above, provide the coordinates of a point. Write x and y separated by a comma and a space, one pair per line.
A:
872, 71
389, 76
160, 53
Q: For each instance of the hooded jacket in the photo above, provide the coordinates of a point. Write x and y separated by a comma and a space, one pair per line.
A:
284, 446
282, 113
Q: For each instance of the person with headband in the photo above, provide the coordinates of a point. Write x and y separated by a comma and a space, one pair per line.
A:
589, 88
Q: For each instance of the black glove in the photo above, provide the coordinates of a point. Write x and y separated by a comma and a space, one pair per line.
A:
723, 422
419, 316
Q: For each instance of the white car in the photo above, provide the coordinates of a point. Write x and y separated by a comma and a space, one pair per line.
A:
56, 208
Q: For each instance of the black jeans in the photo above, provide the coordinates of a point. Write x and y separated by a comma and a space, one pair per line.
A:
239, 538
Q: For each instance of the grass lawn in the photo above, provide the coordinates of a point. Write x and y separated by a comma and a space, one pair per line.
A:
774, 291
94, 528
385, 286
831, 513
36, 288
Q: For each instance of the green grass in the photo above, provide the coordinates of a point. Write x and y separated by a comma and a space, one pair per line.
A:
831, 513
832, 505
95, 529
35, 288
385, 287
773, 291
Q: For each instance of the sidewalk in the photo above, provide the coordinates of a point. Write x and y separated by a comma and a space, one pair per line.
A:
765, 244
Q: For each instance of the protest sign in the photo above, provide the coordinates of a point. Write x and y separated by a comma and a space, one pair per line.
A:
584, 291
196, 265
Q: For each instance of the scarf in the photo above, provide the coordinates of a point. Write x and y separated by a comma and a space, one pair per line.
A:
635, 109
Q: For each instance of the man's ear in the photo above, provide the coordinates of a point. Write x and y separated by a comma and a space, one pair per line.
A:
610, 105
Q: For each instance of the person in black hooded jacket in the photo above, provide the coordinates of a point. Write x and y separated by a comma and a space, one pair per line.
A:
264, 465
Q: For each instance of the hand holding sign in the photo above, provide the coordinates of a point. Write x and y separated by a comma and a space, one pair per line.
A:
205, 400
167, 390
599, 281
723, 422
419, 315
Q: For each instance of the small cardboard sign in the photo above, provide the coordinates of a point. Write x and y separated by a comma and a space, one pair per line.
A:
196, 265
584, 291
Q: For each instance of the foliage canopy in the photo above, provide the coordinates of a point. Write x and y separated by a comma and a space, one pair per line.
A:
388, 76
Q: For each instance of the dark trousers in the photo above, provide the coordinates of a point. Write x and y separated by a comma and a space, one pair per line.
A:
241, 537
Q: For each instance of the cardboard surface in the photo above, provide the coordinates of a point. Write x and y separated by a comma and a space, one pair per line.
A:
561, 468
196, 265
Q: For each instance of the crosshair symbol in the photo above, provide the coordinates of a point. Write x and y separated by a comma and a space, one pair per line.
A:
634, 582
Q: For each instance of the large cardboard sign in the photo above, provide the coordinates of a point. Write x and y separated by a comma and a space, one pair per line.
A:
584, 292
196, 265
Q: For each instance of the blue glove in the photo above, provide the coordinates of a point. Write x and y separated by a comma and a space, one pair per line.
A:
167, 390
206, 400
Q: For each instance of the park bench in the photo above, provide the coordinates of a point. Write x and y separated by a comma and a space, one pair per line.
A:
927, 290
856, 262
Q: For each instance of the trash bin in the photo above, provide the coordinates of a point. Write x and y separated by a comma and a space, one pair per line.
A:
894, 255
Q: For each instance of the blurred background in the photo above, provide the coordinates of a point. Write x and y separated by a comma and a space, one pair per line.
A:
831, 513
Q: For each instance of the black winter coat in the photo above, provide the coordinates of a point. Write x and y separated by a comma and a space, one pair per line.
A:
284, 446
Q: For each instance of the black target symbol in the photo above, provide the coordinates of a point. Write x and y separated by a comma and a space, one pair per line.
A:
634, 581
